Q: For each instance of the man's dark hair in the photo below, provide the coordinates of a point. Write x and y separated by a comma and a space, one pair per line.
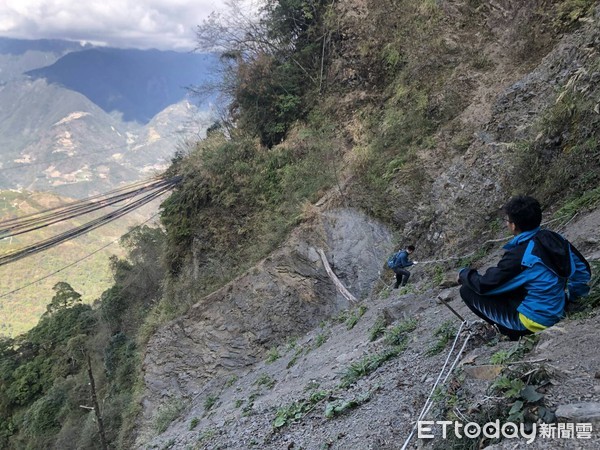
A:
411, 248
524, 211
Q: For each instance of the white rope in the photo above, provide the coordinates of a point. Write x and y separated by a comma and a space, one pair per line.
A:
448, 374
429, 402
490, 241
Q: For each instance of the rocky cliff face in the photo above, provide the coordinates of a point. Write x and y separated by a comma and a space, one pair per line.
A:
508, 107
283, 297
482, 178
305, 385
289, 293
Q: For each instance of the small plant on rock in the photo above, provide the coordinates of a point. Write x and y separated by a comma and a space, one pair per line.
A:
377, 329
210, 401
397, 334
265, 380
445, 333
273, 355
194, 423
355, 316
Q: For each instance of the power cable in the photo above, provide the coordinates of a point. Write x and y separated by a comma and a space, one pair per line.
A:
16, 228
77, 261
86, 227
10, 221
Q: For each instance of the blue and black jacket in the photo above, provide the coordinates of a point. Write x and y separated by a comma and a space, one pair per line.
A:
540, 267
402, 260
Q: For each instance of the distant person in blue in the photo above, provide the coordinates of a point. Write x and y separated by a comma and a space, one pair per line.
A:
401, 261
539, 273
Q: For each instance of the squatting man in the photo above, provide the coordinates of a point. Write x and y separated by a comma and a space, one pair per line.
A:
540, 274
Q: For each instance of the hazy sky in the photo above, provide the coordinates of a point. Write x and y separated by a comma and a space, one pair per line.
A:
162, 24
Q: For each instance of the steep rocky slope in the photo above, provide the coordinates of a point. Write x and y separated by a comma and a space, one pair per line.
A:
284, 296
212, 371
508, 106
241, 411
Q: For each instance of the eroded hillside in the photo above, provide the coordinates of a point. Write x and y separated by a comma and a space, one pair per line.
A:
354, 128
360, 379
483, 101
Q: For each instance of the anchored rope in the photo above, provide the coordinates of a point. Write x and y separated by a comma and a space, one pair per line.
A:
491, 241
429, 402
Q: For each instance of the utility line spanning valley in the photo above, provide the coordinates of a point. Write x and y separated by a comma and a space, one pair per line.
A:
42, 219
150, 190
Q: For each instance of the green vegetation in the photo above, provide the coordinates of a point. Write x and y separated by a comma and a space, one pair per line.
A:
339, 407
265, 380
206, 434
319, 102
369, 364
321, 339
586, 201
295, 357
570, 11
22, 310
43, 372
523, 403
210, 401
273, 355
297, 410
524, 346
355, 316
231, 381
167, 413
470, 260
397, 335
563, 162
445, 333
377, 329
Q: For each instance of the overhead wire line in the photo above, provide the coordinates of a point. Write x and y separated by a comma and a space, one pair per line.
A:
8, 222
88, 226
35, 223
77, 231
37, 280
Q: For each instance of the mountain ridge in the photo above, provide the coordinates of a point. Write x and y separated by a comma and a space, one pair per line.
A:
136, 83
43, 120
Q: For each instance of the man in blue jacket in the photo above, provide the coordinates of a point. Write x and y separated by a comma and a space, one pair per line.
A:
528, 289
401, 262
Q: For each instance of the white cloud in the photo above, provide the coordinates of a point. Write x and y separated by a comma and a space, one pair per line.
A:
162, 24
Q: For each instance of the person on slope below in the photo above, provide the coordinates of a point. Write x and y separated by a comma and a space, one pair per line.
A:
539, 273
401, 261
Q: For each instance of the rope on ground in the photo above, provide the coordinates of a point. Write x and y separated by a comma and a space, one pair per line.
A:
338, 284
429, 402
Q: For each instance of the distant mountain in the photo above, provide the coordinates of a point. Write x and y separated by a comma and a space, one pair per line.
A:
90, 119
18, 56
77, 121
21, 46
137, 83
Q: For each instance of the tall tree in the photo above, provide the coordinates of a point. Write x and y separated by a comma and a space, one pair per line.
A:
65, 297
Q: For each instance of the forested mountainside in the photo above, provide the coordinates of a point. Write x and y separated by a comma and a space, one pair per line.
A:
79, 120
354, 127
57, 144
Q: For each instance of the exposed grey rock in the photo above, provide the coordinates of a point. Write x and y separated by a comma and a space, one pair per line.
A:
584, 412
284, 296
